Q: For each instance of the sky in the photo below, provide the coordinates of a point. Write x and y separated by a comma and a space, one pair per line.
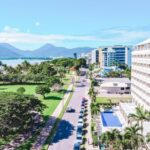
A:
28, 24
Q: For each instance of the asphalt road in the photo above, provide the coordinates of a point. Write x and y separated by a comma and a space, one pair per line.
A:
65, 136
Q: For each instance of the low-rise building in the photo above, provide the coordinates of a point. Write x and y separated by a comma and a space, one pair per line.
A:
116, 86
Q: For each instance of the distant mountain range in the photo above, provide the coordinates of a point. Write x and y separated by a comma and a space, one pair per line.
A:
46, 51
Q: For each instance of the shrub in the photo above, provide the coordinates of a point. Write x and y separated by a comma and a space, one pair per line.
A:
95, 140
84, 140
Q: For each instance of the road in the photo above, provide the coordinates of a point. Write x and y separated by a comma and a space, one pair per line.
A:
65, 136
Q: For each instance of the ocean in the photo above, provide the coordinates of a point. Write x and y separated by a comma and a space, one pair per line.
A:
15, 62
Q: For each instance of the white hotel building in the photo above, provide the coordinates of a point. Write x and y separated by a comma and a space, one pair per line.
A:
140, 82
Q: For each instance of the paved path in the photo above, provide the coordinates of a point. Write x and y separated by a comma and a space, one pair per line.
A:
89, 141
65, 136
46, 130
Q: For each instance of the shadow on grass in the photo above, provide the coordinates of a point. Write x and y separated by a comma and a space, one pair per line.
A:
63, 91
53, 98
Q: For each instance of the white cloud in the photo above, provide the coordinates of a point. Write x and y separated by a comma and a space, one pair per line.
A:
37, 24
12, 35
108, 37
9, 29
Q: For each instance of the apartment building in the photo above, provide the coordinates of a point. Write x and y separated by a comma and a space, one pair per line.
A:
141, 74
112, 55
95, 56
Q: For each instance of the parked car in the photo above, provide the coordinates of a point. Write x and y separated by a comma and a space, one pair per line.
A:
80, 124
83, 80
82, 112
79, 129
76, 146
70, 109
83, 104
82, 108
81, 115
80, 120
79, 138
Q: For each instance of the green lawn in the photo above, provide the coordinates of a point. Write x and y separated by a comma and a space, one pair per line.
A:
106, 100
51, 101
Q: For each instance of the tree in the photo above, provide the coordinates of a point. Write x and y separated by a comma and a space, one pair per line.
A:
75, 55
94, 97
21, 90
148, 137
53, 80
91, 67
25, 65
95, 108
42, 90
1, 64
81, 62
17, 113
111, 139
140, 115
91, 91
132, 133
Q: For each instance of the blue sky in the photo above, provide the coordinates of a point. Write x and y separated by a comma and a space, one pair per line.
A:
29, 24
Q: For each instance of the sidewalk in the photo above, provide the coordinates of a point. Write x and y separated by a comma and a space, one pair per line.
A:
49, 125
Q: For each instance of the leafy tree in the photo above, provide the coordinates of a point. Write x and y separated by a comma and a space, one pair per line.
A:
17, 113
25, 65
64, 62
148, 137
53, 80
21, 90
81, 62
42, 90
91, 67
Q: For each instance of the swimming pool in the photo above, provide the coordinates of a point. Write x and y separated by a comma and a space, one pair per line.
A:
109, 119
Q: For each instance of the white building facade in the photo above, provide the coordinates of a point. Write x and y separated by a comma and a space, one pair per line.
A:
95, 56
140, 88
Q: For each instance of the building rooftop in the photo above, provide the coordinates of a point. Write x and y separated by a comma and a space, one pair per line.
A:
122, 80
144, 42
128, 108
114, 84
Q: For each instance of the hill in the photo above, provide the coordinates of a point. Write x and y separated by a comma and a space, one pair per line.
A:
47, 50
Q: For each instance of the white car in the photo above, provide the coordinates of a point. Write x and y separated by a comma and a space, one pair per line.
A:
80, 120
79, 138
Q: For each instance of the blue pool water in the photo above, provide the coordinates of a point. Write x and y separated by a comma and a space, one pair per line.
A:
109, 119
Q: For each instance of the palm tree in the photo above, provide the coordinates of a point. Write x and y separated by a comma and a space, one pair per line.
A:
132, 134
148, 137
25, 65
94, 97
95, 108
112, 139
91, 90
140, 115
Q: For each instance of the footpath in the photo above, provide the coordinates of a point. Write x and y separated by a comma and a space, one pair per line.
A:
88, 144
49, 125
